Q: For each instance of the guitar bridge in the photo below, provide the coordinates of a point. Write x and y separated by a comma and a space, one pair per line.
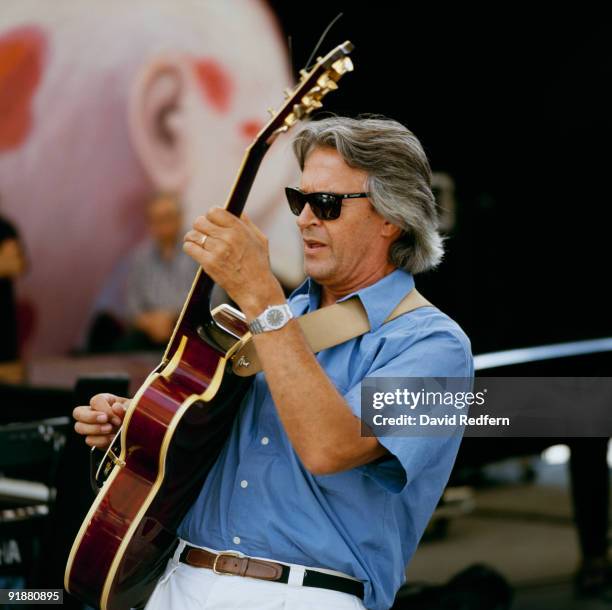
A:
115, 459
107, 463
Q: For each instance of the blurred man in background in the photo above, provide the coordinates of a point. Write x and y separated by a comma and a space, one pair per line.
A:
160, 276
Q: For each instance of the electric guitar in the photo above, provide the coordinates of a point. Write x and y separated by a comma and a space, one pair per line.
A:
180, 418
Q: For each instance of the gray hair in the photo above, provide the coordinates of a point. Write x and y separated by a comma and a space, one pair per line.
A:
399, 180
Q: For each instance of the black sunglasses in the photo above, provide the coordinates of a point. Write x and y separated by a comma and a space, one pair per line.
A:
325, 206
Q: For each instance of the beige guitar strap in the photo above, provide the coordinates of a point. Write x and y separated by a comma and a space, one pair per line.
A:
326, 327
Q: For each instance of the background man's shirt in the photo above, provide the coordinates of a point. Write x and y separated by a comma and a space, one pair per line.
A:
158, 283
366, 522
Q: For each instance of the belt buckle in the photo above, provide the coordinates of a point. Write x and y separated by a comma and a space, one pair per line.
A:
226, 554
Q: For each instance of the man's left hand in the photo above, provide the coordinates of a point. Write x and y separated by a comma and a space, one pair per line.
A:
235, 255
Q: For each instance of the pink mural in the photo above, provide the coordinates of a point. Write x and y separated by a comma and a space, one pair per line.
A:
105, 102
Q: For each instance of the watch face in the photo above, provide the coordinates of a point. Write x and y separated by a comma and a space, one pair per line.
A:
275, 317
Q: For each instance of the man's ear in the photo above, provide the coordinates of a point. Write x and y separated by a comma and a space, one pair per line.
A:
157, 121
390, 230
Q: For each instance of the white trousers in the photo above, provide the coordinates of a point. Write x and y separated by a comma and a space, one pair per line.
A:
183, 587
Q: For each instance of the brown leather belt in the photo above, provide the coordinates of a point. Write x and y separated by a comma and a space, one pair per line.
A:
231, 563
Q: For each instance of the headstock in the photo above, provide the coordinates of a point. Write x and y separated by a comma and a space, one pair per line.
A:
308, 94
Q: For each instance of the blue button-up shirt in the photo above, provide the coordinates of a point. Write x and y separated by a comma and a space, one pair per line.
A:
366, 522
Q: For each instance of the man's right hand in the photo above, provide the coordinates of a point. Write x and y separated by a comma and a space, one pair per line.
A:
100, 421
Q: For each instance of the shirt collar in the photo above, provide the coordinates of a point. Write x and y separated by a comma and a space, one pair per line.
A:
378, 299
312, 289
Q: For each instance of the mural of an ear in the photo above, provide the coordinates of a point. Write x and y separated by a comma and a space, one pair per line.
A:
157, 121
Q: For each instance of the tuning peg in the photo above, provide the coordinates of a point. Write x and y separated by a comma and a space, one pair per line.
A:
326, 82
272, 111
343, 65
288, 92
298, 111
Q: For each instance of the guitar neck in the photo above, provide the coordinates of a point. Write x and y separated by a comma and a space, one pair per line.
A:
195, 319
246, 176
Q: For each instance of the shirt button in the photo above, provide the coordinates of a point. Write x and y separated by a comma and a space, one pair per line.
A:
236, 540
265, 440
244, 484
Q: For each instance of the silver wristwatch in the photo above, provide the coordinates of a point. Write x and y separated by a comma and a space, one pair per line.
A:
273, 318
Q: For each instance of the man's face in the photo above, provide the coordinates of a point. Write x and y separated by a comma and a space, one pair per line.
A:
164, 221
345, 252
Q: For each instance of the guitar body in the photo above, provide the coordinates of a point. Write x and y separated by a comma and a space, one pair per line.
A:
179, 420
172, 434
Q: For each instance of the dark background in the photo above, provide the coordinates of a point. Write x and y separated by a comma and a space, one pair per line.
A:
515, 106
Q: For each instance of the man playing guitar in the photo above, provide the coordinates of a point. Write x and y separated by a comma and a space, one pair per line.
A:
306, 511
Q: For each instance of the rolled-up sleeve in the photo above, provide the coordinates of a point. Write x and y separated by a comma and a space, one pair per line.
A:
441, 354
